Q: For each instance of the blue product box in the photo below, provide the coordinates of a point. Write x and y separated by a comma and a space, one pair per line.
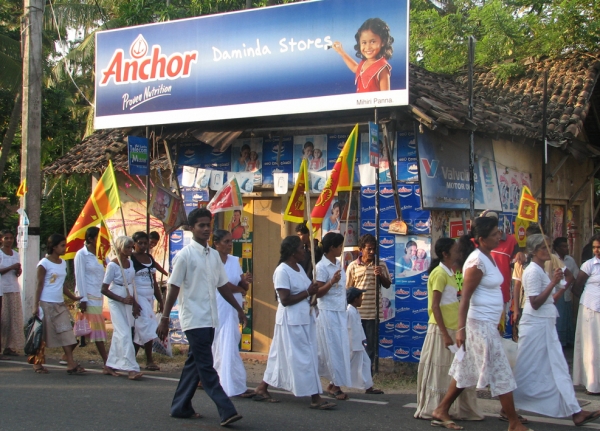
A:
367, 202
367, 226
270, 152
402, 353
408, 172
387, 207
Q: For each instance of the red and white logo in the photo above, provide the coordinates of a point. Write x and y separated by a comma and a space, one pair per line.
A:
147, 65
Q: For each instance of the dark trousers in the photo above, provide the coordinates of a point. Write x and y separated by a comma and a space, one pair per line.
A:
199, 367
369, 326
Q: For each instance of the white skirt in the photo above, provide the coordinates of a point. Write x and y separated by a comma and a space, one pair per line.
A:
360, 370
225, 348
121, 355
544, 385
586, 359
433, 380
293, 359
334, 356
145, 325
485, 362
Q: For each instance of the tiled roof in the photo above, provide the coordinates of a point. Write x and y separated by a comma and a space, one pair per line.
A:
512, 107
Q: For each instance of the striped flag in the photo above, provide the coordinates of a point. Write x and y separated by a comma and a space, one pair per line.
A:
101, 205
227, 198
296, 207
528, 206
340, 179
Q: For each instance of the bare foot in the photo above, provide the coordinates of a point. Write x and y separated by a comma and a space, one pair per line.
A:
518, 427
110, 372
135, 376
584, 417
441, 415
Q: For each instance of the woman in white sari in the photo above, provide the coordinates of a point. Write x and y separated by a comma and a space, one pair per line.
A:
226, 354
123, 309
544, 385
332, 322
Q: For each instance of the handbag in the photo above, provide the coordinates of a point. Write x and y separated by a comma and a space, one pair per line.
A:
34, 330
82, 326
162, 347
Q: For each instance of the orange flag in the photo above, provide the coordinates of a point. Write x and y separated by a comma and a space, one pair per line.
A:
22, 188
101, 205
103, 244
528, 206
296, 205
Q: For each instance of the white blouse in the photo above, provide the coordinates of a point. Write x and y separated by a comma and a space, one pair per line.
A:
294, 281
535, 280
335, 298
486, 302
9, 283
590, 297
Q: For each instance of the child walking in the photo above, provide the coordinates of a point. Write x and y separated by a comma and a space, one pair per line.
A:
373, 47
360, 364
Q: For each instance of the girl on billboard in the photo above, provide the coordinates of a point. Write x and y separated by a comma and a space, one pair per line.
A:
373, 47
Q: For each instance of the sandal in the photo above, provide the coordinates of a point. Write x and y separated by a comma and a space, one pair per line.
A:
152, 367
373, 391
248, 394
591, 393
338, 395
41, 370
10, 352
267, 398
193, 416
589, 418
77, 371
110, 372
451, 425
504, 418
322, 405
137, 376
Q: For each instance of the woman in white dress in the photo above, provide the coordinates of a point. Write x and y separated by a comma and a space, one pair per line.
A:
293, 359
12, 311
544, 385
146, 289
226, 354
480, 310
334, 356
123, 309
586, 360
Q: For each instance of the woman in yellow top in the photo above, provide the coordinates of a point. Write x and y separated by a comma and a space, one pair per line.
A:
433, 378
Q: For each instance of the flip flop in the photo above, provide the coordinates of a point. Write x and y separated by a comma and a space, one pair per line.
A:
248, 394
590, 418
522, 419
236, 417
322, 405
152, 367
451, 425
77, 371
193, 416
372, 391
42, 370
337, 394
110, 372
592, 393
267, 398
5, 358
10, 353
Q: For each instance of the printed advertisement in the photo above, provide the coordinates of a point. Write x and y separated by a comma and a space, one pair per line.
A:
280, 60
138, 151
203, 156
247, 156
277, 159
313, 148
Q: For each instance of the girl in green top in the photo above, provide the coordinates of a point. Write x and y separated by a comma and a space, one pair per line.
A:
442, 306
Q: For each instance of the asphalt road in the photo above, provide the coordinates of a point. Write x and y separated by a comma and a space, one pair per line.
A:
95, 402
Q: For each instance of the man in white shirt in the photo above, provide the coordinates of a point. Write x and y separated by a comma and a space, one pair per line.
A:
197, 274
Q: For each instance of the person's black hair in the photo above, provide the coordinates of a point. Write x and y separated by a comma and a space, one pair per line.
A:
244, 147
4, 232
410, 244
559, 241
238, 211
218, 235
289, 245
483, 227
533, 229
53, 241
335, 205
301, 228
595, 238
139, 235
308, 144
154, 235
442, 245
381, 29
91, 233
196, 214
331, 239
367, 239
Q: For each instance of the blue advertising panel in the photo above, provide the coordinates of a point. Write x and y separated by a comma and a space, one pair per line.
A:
203, 156
138, 152
271, 151
266, 61
373, 144
444, 172
367, 202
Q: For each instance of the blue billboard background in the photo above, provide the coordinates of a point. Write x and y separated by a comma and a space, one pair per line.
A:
273, 55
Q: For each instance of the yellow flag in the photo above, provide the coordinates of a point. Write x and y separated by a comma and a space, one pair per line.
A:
22, 188
295, 211
528, 206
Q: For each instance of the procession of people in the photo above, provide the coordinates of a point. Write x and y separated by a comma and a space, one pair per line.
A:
325, 321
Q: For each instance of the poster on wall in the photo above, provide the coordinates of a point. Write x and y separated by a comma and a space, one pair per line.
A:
384, 164
278, 60
202, 156
313, 148
277, 159
444, 172
247, 156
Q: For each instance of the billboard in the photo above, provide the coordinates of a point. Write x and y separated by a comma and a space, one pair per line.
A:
288, 59
444, 172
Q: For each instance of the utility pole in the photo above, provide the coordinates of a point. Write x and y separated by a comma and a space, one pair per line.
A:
31, 144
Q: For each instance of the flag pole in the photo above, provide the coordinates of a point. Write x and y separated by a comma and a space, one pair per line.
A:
311, 235
346, 232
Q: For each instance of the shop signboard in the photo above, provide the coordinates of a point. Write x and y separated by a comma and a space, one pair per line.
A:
444, 172
277, 60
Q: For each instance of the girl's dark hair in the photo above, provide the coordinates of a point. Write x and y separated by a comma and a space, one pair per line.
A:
7, 231
218, 235
442, 245
139, 235
381, 29
244, 147
332, 239
483, 227
154, 235
53, 241
465, 248
289, 245
308, 144
90, 234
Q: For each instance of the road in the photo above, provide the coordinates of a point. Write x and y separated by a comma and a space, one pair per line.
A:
95, 402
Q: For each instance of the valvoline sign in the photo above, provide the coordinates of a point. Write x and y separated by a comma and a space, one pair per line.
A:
249, 63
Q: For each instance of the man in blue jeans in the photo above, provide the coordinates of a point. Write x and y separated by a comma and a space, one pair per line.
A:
198, 273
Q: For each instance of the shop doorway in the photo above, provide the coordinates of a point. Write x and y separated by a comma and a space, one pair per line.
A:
267, 238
